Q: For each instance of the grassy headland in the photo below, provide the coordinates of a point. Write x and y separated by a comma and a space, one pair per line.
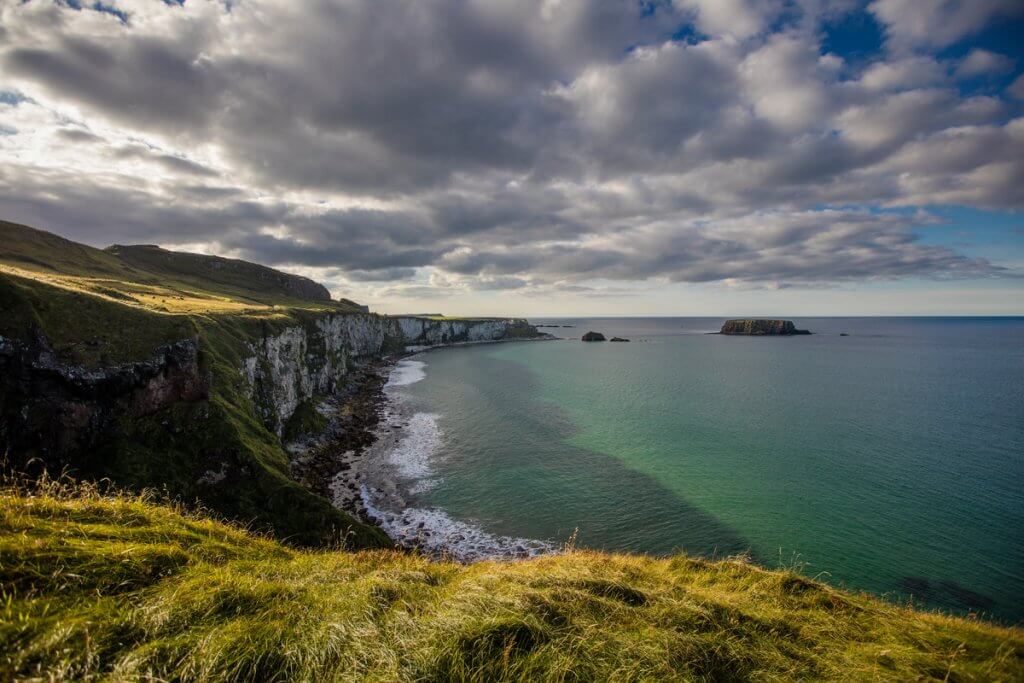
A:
98, 308
117, 587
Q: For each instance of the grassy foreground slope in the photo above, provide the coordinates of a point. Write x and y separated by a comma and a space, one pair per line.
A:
121, 588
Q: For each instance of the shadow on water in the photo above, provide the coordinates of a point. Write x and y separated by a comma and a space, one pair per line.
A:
948, 594
512, 468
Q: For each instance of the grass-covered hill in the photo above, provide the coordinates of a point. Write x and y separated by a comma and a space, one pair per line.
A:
119, 588
73, 306
155, 279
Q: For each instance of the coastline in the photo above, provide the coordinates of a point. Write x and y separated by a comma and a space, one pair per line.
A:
373, 459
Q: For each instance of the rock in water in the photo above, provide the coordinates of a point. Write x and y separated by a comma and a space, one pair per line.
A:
593, 336
761, 328
618, 339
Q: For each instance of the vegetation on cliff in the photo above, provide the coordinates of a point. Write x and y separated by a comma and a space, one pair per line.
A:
182, 372
118, 587
84, 309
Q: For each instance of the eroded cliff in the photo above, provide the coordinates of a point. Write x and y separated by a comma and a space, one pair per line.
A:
300, 362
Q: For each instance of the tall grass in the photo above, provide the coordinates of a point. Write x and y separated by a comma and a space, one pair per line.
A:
101, 585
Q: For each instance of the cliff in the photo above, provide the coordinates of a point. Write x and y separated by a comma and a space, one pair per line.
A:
181, 372
300, 362
761, 327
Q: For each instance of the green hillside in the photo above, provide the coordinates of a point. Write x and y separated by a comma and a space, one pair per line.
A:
96, 309
118, 588
155, 279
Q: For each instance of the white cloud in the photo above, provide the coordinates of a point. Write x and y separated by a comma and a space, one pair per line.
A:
736, 18
938, 22
980, 62
901, 74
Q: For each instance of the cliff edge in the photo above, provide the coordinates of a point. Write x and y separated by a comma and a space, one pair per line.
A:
181, 372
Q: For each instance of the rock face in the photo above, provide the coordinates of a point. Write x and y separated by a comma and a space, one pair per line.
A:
47, 407
300, 362
761, 328
593, 337
50, 407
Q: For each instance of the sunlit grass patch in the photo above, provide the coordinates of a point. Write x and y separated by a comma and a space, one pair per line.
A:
117, 586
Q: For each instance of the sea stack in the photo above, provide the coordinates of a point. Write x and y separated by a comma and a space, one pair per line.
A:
761, 328
593, 336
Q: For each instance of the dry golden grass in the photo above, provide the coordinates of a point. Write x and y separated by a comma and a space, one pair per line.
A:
117, 587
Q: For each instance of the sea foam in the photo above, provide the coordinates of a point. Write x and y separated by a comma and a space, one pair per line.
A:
410, 450
435, 532
412, 454
406, 372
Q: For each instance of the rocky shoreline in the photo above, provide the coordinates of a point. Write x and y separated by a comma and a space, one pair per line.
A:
348, 463
353, 416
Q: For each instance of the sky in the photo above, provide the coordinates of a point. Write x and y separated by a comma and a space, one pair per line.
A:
539, 157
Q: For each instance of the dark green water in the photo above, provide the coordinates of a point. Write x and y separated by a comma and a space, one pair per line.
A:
891, 460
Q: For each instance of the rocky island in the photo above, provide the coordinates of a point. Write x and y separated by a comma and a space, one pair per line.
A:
593, 337
761, 328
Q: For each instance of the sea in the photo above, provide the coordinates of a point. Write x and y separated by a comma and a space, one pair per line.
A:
878, 454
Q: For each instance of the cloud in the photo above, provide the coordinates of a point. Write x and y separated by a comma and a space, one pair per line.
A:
980, 62
144, 153
1016, 89
532, 147
911, 22
737, 18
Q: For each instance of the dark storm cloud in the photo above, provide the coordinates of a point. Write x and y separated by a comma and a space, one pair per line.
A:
167, 161
78, 135
543, 141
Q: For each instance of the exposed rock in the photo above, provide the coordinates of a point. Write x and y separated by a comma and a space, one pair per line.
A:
618, 339
49, 407
593, 337
302, 361
761, 328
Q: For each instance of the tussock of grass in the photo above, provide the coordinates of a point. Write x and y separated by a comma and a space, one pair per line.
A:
99, 586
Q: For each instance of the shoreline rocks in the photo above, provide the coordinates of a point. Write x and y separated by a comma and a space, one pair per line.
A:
593, 337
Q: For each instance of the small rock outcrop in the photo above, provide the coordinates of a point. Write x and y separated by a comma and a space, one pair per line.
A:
618, 339
761, 328
593, 336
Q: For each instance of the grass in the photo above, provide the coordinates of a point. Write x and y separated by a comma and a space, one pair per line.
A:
119, 587
98, 308
155, 280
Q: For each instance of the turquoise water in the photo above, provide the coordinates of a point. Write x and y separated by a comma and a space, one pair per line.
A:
890, 460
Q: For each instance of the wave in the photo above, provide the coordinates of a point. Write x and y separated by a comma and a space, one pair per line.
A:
436, 533
406, 372
412, 454
408, 443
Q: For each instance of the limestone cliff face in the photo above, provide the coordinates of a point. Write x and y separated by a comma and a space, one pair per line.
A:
294, 365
